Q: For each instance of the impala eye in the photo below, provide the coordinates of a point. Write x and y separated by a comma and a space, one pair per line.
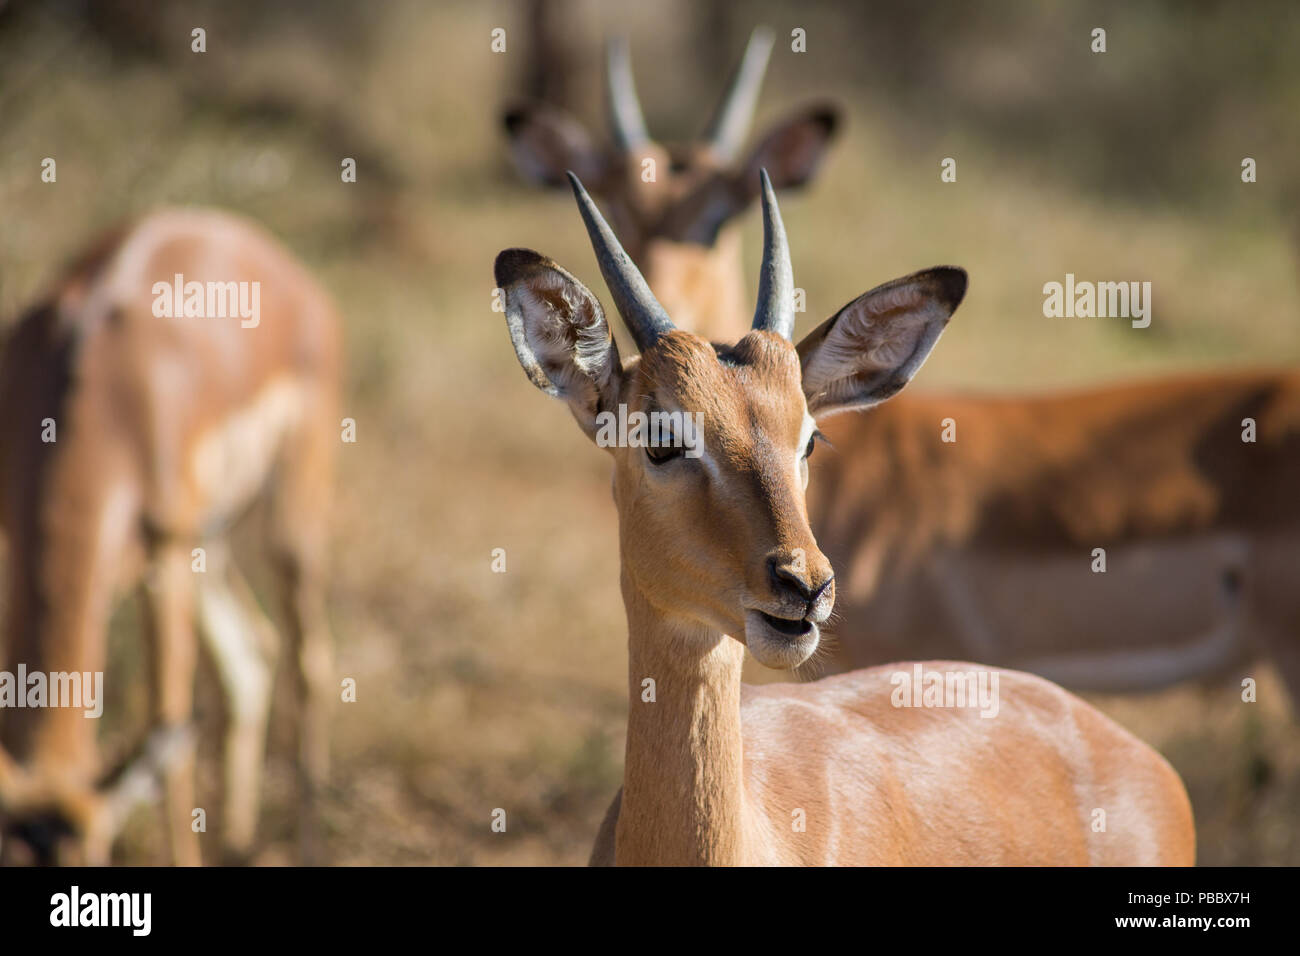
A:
659, 454
813, 439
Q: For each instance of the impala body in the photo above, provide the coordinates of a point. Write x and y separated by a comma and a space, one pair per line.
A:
718, 556
986, 546
129, 440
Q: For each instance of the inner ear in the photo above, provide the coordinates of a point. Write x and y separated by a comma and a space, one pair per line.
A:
873, 346
559, 332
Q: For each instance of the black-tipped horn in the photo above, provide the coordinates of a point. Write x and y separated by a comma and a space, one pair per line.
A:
625, 117
729, 127
775, 311
641, 311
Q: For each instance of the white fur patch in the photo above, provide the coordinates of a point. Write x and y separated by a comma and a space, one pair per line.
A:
232, 460
577, 332
881, 336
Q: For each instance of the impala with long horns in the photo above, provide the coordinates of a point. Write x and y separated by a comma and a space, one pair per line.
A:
717, 555
679, 226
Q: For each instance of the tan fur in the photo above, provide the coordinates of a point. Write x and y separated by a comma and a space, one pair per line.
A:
719, 774
715, 770
702, 282
168, 430
932, 537
706, 283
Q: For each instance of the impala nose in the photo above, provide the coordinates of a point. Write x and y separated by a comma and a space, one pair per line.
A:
789, 575
793, 581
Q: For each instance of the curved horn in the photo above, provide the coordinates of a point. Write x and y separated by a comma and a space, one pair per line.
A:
775, 311
641, 311
624, 108
729, 126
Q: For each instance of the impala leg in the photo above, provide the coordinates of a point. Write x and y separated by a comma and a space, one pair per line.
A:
298, 536
169, 608
1287, 656
1282, 642
312, 660
1275, 612
1283, 648
242, 643
97, 849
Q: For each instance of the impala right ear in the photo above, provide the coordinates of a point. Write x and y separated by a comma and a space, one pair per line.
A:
546, 142
873, 346
560, 334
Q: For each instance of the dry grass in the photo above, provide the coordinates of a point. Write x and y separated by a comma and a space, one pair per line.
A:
481, 690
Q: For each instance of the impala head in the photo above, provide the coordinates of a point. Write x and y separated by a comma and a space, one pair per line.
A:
48, 827
713, 525
697, 187
47, 819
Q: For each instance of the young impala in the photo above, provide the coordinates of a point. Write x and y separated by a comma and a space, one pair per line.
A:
145, 410
679, 226
717, 555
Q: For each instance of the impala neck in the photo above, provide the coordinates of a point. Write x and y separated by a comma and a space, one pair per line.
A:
683, 786
59, 598
702, 288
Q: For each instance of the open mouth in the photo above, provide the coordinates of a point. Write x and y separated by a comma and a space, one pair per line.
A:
795, 628
779, 642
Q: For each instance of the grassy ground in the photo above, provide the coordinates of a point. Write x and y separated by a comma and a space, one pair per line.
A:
477, 690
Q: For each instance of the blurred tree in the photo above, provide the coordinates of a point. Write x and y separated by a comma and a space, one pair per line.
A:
551, 71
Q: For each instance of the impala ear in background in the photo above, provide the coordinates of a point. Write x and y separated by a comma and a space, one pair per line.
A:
873, 346
559, 333
792, 149
545, 142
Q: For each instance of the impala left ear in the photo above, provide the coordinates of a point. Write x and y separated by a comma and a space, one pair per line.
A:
559, 333
873, 346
